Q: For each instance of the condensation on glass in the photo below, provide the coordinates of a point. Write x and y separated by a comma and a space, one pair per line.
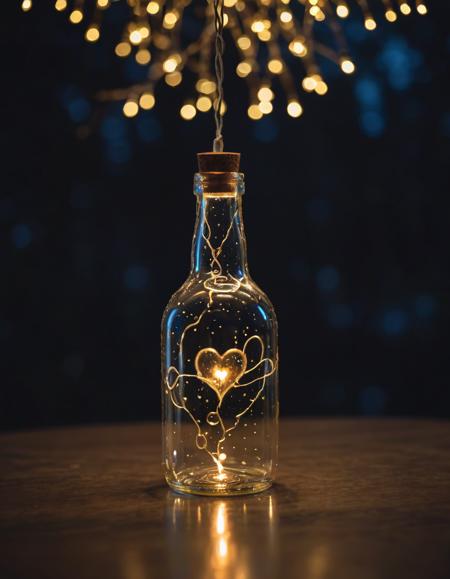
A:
219, 358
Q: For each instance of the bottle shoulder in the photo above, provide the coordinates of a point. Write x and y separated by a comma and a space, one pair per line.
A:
198, 292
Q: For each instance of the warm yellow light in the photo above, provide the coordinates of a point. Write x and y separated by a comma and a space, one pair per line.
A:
170, 64
188, 112
275, 65
153, 7
285, 16
390, 15
370, 23
265, 93
92, 34
76, 16
203, 104
421, 9
265, 35
60, 5
266, 107
143, 56
321, 87
27, 5
147, 101
229, 3
103, 3
222, 456
144, 31
225, 19
223, 106
221, 373
309, 83
405, 8
244, 42
123, 49
297, 47
320, 16
130, 109
170, 19
294, 109
135, 37
173, 78
243, 69
205, 86
254, 112
347, 66
257, 26
342, 10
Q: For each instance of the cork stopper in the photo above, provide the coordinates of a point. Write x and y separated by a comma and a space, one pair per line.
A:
218, 162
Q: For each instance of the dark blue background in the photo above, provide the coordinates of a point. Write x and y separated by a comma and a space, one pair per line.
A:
346, 214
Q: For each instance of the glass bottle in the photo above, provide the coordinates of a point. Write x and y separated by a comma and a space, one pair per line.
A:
219, 353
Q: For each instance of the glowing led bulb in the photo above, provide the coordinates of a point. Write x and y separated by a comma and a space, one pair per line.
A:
285, 16
275, 65
60, 5
76, 16
370, 23
103, 3
347, 66
405, 8
265, 93
342, 10
153, 7
27, 5
188, 112
297, 47
421, 8
221, 374
254, 112
205, 86
244, 42
257, 26
170, 64
130, 108
309, 83
135, 37
143, 56
390, 15
321, 87
203, 104
147, 101
243, 69
294, 109
92, 34
222, 456
229, 3
123, 49
170, 19
266, 107
173, 78
265, 35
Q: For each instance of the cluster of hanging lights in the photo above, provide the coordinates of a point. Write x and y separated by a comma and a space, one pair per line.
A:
270, 37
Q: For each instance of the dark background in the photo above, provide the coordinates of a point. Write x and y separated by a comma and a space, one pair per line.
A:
346, 215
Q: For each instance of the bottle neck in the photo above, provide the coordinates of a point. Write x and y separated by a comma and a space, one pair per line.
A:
219, 248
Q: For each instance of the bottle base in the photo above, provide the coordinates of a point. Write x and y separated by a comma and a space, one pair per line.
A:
208, 482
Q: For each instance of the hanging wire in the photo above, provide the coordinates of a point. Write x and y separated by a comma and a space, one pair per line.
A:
218, 65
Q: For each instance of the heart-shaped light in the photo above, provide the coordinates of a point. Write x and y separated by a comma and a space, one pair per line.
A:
220, 372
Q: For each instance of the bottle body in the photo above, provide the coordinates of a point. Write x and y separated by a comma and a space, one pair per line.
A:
219, 360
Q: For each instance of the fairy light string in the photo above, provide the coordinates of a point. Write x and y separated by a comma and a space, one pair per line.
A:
271, 38
219, 70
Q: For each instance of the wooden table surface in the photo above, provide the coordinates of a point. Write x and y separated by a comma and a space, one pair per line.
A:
355, 499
